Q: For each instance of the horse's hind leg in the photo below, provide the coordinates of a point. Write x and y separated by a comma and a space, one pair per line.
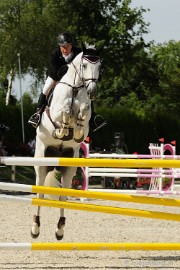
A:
59, 233
35, 229
61, 224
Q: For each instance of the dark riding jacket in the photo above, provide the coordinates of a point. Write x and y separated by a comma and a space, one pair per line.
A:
58, 65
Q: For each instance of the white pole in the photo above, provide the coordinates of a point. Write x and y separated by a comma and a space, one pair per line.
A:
15, 246
13, 173
20, 82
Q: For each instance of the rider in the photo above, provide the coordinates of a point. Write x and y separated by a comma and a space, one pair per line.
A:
60, 57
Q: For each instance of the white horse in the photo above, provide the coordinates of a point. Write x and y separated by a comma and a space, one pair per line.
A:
65, 124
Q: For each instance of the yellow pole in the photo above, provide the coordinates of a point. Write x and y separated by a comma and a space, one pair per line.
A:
106, 209
106, 196
118, 163
106, 246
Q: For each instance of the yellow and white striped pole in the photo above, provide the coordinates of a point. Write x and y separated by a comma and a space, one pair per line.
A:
90, 194
94, 208
101, 246
90, 162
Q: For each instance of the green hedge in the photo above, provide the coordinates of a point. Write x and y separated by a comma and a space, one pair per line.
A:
138, 131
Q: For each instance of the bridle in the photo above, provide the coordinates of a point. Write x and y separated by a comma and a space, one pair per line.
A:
91, 59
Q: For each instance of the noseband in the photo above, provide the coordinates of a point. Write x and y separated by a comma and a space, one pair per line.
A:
91, 59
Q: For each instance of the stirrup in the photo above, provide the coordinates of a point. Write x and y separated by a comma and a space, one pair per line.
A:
102, 124
35, 119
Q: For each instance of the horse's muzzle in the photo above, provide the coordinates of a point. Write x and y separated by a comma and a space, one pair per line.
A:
92, 90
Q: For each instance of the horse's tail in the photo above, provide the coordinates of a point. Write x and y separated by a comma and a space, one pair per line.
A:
52, 181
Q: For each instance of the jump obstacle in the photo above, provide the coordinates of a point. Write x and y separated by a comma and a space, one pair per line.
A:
95, 208
91, 246
90, 162
137, 192
113, 210
156, 174
102, 246
90, 194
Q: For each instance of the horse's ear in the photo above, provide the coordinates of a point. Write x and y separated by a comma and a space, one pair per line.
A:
100, 49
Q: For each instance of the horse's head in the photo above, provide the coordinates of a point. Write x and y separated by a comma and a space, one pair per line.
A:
90, 70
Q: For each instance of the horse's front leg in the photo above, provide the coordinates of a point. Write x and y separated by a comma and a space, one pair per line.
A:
35, 229
66, 181
81, 119
40, 176
59, 133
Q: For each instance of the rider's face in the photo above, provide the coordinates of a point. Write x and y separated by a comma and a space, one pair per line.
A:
66, 49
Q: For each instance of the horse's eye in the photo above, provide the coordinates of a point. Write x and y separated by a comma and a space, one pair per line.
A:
84, 66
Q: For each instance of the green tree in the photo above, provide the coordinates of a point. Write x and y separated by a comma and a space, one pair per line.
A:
30, 28
125, 53
166, 57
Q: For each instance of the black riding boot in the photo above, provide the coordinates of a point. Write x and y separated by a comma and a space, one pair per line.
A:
35, 119
96, 121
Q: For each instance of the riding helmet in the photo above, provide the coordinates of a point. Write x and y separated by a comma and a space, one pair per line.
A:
65, 38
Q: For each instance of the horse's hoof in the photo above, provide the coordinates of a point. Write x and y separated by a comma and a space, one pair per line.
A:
59, 237
34, 235
60, 228
80, 139
35, 230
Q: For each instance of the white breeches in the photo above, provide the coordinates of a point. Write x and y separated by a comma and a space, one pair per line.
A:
49, 83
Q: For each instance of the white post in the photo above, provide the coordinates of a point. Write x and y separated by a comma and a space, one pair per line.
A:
156, 182
13, 173
87, 169
160, 179
22, 115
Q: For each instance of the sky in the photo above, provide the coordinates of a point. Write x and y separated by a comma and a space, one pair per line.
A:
164, 19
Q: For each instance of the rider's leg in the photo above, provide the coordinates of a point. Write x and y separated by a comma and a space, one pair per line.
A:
96, 121
35, 119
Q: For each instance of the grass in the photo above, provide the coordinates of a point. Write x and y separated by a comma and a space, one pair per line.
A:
23, 175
